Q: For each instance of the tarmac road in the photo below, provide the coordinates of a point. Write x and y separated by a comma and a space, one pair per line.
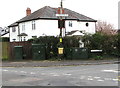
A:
83, 75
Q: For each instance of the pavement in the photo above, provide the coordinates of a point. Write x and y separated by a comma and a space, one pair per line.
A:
47, 63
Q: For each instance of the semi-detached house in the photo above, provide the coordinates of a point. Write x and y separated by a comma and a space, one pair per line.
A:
44, 22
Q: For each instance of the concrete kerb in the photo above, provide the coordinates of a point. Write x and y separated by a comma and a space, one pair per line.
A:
55, 63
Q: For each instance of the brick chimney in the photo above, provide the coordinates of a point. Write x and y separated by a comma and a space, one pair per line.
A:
28, 11
60, 10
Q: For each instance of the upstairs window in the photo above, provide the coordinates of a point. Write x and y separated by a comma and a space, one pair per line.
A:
13, 29
70, 24
33, 25
23, 26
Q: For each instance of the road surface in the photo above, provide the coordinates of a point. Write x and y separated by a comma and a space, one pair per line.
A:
83, 75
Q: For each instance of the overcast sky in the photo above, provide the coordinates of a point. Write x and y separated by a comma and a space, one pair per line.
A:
105, 10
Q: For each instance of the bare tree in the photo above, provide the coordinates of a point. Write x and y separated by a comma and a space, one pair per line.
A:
105, 28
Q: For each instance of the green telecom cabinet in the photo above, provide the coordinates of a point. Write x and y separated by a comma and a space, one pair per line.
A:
18, 52
76, 53
38, 52
79, 53
68, 53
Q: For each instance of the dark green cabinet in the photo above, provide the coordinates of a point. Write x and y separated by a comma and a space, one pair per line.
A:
68, 53
80, 53
76, 53
38, 52
18, 51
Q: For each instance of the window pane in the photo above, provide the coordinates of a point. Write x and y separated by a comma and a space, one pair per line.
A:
33, 25
13, 29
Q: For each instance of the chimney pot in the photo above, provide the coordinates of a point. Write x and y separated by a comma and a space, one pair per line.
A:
28, 11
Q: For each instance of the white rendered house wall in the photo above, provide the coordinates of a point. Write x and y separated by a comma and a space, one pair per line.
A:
42, 28
81, 26
49, 28
14, 34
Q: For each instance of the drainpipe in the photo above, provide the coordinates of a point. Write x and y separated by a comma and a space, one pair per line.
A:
18, 31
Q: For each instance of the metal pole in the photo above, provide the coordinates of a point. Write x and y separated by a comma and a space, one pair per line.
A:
61, 4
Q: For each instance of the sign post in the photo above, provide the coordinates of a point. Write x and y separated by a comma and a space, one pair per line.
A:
61, 25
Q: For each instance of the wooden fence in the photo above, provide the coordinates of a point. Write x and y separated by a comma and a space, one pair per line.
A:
4, 50
27, 49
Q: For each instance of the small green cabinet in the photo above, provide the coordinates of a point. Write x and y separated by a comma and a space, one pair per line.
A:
76, 53
18, 51
38, 52
68, 53
80, 53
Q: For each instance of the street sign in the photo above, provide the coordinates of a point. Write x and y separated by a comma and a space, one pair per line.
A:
62, 15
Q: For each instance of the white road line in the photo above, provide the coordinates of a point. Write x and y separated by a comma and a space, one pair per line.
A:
96, 77
100, 80
52, 73
67, 74
89, 79
55, 75
23, 72
32, 73
115, 71
115, 79
5, 70
108, 78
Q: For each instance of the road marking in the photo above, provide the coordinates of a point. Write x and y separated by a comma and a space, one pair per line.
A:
100, 80
32, 73
108, 78
52, 73
115, 79
67, 74
115, 71
55, 75
5, 70
96, 77
89, 79
23, 72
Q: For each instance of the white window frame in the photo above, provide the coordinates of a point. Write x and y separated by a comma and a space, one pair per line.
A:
23, 26
33, 25
13, 29
70, 24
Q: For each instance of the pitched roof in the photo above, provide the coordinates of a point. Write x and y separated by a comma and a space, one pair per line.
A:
13, 24
48, 12
3, 31
74, 32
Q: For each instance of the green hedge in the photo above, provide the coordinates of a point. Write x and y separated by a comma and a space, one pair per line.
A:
52, 44
110, 44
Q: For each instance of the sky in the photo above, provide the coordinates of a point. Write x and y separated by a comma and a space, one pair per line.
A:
104, 10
